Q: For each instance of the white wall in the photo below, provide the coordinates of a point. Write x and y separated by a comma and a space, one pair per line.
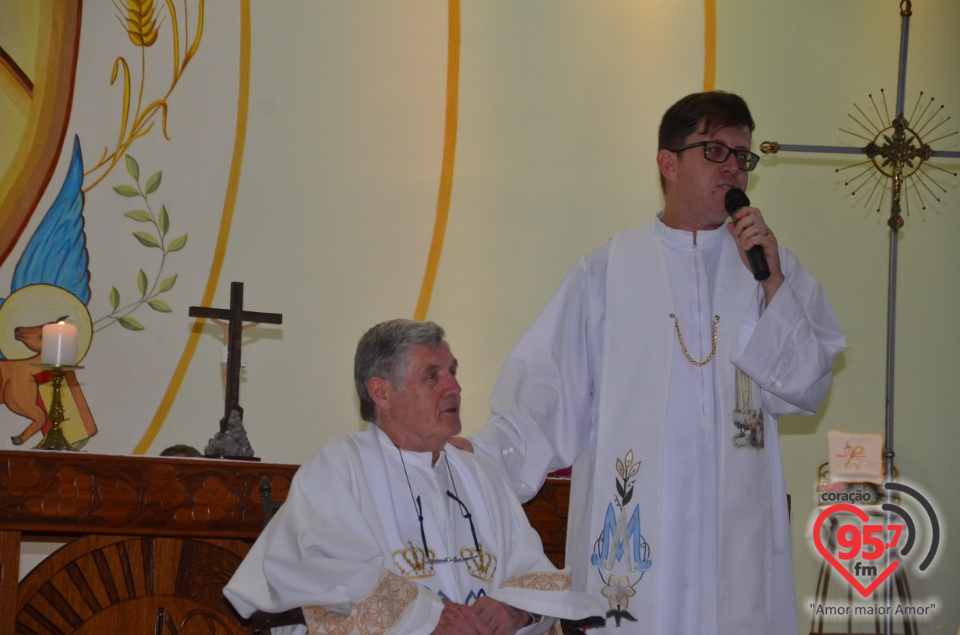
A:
558, 109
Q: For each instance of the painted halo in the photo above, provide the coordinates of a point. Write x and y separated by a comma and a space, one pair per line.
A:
36, 305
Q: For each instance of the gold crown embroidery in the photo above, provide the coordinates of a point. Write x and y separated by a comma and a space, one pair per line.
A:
481, 565
413, 562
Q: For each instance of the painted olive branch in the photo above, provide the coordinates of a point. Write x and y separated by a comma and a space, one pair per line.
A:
149, 289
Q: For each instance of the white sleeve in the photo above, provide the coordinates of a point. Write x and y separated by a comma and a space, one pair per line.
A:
319, 550
545, 399
789, 351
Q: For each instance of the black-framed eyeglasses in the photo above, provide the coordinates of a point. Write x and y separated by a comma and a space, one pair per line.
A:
463, 512
719, 153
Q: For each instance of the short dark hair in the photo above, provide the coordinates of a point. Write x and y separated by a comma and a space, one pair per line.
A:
181, 449
702, 112
382, 352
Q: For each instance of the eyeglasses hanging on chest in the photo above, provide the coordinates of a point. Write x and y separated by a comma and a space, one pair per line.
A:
464, 512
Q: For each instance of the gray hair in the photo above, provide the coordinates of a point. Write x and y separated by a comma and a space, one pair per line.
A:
382, 352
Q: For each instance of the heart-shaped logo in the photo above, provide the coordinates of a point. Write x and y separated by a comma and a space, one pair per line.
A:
818, 541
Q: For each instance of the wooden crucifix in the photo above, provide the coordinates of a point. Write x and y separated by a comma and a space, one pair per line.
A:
235, 316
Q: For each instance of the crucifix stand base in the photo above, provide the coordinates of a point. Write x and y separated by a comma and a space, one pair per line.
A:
231, 442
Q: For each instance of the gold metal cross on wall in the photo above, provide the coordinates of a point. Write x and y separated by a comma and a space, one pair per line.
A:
898, 153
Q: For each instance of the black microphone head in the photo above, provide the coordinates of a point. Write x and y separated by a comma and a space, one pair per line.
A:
735, 199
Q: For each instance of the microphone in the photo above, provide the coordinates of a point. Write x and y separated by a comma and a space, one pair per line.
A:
734, 200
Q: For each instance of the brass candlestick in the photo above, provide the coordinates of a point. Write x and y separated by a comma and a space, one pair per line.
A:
54, 439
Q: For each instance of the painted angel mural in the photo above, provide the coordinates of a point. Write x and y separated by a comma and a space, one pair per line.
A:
84, 236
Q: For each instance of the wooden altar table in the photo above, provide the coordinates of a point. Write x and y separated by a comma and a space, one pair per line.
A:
150, 541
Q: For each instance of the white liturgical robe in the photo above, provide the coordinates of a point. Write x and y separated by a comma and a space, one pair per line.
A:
347, 545
678, 512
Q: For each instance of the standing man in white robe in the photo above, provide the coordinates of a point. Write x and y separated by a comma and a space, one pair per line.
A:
389, 530
658, 370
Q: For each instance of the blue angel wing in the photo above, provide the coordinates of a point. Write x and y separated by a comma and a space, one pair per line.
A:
57, 252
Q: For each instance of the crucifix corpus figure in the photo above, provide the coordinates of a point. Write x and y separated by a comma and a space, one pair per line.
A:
233, 320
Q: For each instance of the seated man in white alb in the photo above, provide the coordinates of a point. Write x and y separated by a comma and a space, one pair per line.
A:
391, 530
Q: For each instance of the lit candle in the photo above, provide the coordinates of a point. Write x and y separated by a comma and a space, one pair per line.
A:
59, 344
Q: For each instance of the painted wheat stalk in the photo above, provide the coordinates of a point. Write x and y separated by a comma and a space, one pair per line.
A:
177, 68
141, 21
